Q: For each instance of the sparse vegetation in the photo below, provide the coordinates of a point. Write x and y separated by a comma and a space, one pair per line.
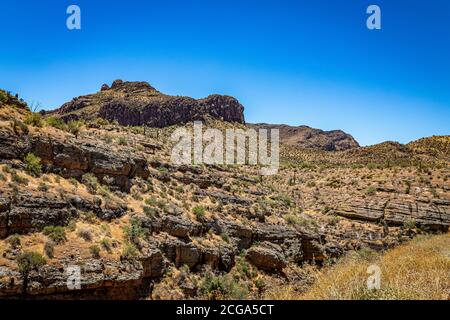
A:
56, 233
33, 165
199, 212
95, 251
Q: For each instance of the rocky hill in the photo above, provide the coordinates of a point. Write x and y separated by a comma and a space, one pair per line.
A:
106, 198
310, 138
138, 103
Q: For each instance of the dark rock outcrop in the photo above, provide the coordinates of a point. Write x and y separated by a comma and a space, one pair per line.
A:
103, 279
310, 138
26, 213
138, 103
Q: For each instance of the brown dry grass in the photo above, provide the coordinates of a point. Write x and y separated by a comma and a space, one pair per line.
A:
419, 270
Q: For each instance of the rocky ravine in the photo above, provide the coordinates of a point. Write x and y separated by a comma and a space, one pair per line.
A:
140, 227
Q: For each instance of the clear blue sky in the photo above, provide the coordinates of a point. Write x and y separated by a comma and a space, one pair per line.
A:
297, 62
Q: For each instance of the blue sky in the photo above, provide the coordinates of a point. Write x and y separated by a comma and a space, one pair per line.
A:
298, 62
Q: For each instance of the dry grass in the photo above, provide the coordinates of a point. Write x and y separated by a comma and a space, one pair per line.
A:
419, 270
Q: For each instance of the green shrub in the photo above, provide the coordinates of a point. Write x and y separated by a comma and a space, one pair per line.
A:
91, 182
33, 165
150, 212
72, 225
129, 252
74, 127
298, 221
106, 244
409, 224
34, 119
28, 261
199, 212
95, 251
223, 287
225, 237
151, 201
43, 187
122, 141
57, 123
135, 231
14, 241
19, 179
371, 191
56, 233
19, 127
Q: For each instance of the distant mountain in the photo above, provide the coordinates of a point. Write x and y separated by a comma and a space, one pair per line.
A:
138, 103
310, 138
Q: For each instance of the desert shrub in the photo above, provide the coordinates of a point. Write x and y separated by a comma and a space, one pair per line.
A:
301, 222
409, 224
19, 127
225, 237
285, 199
122, 141
14, 241
3, 97
408, 186
34, 119
28, 261
91, 182
56, 123
89, 216
333, 220
106, 244
72, 225
136, 195
370, 191
149, 211
129, 252
15, 177
74, 127
74, 182
199, 212
163, 170
33, 165
95, 251
85, 234
43, 187
135, 231
151, 201
311, 184
49, 249
56, 233
223, 287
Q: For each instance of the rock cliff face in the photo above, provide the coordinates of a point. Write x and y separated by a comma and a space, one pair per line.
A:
310, 138
72, 158
138, 103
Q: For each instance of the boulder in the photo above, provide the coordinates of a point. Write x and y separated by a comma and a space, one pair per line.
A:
267, 256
